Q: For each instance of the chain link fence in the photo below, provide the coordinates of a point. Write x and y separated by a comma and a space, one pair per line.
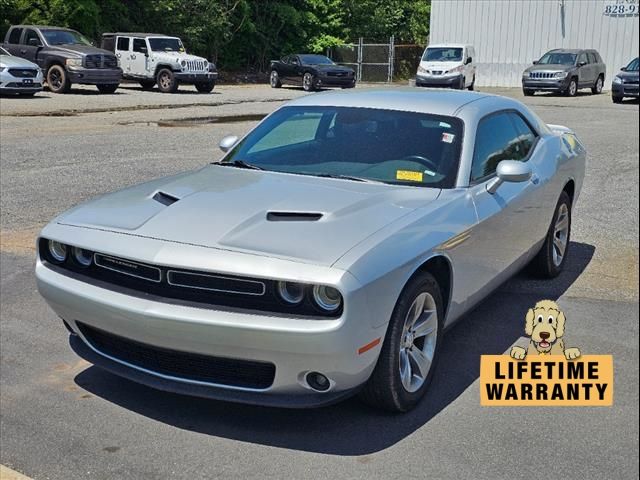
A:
378, 62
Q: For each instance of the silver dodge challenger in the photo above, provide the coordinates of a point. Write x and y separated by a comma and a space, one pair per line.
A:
325, 254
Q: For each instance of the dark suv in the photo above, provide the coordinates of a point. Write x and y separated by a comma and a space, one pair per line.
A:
625, 83
65, 56
565, 71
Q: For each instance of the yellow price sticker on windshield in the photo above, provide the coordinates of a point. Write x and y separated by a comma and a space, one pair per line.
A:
408, 175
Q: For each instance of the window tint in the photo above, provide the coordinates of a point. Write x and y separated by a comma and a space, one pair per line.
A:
123, 43
496, 140
298, 128
139, 45
30, 36
526, 136
14, 36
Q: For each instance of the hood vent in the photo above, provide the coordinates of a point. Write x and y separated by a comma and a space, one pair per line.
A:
293, 216
165, 198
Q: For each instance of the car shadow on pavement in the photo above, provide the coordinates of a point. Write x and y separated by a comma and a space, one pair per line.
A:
351, 428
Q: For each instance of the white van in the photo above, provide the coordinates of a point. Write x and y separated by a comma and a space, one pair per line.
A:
447, 65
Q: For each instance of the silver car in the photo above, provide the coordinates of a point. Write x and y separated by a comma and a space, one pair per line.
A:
19, 76
324, 255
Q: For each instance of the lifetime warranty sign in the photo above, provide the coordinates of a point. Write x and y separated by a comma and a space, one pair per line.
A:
546, 380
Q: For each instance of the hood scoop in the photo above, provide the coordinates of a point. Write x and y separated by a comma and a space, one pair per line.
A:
165, 198
293, 216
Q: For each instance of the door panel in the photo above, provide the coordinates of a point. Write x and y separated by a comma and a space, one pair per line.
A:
122, 51
137, 58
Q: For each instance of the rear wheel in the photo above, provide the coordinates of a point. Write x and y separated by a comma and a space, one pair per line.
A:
616, 99
308, 82
410, 350
274, 79
572, 89
147, 84
205, 87
597, 88
107, 88
166, 81
58, 80
553, 254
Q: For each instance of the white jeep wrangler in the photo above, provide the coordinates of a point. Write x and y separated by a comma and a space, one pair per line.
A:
151, 58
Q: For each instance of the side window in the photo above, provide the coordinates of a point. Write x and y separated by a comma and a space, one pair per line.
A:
526, 136
496, 140
582, 58
31, 38
139, 45
298, 128
14, 36
123, 44
295, 61
592, 57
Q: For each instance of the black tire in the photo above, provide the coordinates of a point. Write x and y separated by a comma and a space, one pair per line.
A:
597, 87
58, 80
308, 82
274, 79
544, 265
384, 389
463, 82
107, 88
528, 93
205, 87
473, 84
147, 84
572, 88
616, 99
166, 81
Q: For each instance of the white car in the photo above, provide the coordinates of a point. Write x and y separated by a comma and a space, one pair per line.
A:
158, 59
447, 65
19, 76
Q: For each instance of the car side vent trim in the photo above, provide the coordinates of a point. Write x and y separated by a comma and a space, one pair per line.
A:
165, 198
293, 216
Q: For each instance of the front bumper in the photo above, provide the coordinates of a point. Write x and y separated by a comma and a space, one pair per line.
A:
548, 84
439, 81
95, 76
295, 346
11, 85
624, 90
327, 81
186, 77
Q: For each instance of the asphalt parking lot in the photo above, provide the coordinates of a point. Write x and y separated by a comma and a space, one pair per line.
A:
64, 419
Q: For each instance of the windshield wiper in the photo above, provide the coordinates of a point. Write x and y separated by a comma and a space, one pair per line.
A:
345, 177
240, 164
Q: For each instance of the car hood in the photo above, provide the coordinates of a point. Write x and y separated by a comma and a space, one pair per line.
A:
628, 75
440, 66
80, 49
9, 61
550, 68
178, 56
301, 218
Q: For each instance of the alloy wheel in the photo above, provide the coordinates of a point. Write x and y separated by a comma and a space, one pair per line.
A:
560, 235
599, 85
274, 78
418, 342
573, 88
165, 81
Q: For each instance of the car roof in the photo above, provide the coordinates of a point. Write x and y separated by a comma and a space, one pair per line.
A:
137, 34
44, 27
450, 45
570, 50
410, 99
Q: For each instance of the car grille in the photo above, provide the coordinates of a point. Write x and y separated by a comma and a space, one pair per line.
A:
23, 85
542, 75
337, 74
435, 72
24, 72
100, 61
188, 366
195, 66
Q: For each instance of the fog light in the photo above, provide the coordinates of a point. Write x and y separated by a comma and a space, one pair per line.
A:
82, 256
318, 381
291, 292
327, 298
58, 251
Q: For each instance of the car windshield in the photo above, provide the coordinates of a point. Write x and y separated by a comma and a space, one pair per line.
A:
3, 51
64, 37
440, 54
633, 66
166, 44
558, 59
315, 60
360, 144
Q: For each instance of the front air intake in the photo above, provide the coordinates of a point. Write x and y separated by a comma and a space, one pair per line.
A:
165, 198
293, 216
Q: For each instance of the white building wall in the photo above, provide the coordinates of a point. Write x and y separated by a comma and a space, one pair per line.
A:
509, 34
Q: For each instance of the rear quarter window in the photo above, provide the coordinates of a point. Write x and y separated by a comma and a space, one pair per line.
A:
123, 43
14, 35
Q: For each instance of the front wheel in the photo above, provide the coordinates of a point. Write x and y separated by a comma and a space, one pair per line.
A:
572, 89
549, 262
528, 93
597, 88
107, 88
473, 84
58, 80
616, 99
308, 82
166, 81
205, 87
410, 350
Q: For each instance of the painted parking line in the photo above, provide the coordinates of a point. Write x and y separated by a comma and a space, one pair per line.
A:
7, 474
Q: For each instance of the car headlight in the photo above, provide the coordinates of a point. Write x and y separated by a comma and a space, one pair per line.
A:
183, 63
526, 74
82, 257
327, 298
456, 70
422, 70
617, 80
561, 74
2, 69
73, 62
291, 292
58, 251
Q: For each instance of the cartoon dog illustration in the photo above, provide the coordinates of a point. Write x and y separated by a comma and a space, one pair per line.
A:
545, 325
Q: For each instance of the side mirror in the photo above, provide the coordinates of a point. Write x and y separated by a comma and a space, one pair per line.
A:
228, 142
509, 171
582, 64
535, 62
623, 69
34, 42
469, 60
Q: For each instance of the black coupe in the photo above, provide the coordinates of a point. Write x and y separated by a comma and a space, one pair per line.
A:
310, 71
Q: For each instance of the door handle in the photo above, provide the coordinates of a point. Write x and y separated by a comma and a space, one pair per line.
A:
133, 57
118, 55
23, 51
535, 179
